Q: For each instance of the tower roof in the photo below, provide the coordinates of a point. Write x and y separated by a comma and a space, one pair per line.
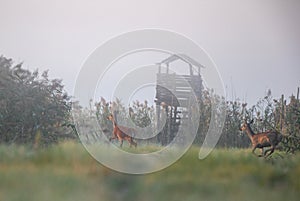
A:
182, 57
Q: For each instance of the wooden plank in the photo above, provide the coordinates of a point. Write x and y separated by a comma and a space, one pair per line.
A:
182, 94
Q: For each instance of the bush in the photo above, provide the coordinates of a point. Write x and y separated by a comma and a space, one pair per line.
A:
32, 106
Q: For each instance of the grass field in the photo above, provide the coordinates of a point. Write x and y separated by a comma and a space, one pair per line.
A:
67, 172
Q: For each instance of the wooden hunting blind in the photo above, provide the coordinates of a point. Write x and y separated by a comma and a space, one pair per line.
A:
174, 93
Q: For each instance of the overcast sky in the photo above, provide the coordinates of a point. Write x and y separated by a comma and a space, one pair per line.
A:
255, 44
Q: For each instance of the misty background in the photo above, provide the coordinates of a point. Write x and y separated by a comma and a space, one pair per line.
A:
255, 44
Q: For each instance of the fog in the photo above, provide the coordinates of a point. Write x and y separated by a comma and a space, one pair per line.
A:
255, 44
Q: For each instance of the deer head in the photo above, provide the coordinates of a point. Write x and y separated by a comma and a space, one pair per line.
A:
110, 117
245, 125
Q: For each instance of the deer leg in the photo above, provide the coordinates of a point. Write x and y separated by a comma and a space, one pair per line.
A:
130, 142
253, 151
262, 152
133, 142
129, 139
113, 137
271, 150
121, 142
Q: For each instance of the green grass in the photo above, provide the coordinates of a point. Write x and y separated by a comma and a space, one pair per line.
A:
67, 172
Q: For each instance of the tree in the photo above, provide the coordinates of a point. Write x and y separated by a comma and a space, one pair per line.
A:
32, 106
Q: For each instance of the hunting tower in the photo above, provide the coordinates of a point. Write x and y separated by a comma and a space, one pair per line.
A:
174, 92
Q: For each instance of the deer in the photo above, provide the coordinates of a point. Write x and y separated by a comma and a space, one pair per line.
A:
121, 132
261, 140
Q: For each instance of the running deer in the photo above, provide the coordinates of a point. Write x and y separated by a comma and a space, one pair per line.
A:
261, 140
121, 132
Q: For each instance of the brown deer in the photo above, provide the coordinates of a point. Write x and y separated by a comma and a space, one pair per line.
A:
261, 140
121, 132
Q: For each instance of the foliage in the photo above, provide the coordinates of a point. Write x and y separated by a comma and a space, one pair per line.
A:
35, 109
138, 115
67, 172
289, 122
32, 106
268, 114
141, 114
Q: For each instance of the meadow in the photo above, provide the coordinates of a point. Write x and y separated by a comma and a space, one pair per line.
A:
67, 172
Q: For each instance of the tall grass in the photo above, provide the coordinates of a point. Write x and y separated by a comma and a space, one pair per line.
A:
67, 172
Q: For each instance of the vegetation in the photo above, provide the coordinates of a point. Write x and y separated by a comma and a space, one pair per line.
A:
268, 114
67, 172
33, 107
35, 111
